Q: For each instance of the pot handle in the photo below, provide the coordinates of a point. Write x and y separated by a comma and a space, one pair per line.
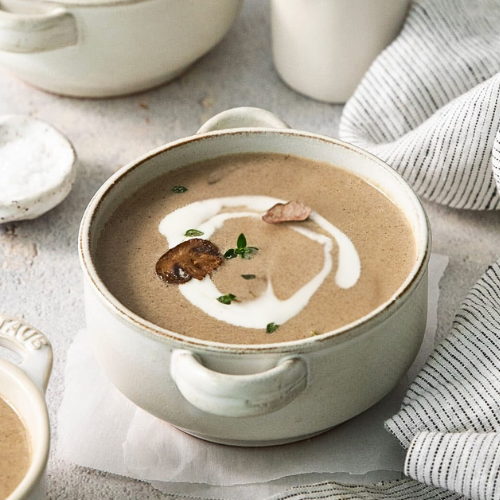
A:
29, 33
242, 118
238, 395
32, 345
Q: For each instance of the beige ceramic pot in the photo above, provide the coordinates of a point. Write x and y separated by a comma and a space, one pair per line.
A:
23, 387
102, 48
255, 394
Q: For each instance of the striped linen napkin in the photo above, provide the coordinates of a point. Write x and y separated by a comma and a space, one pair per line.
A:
429, 104
450, 417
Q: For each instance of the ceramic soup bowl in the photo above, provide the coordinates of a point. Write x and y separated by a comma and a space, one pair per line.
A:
103, 48
255, 395
23, 387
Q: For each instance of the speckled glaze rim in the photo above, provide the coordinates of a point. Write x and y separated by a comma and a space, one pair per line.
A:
350, 330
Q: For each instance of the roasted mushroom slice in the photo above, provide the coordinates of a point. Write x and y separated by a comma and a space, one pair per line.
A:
287, 212
194, 258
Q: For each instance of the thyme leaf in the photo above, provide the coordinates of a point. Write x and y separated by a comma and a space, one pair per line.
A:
226, 299
230, 254
193, 232
271, 327
241, 242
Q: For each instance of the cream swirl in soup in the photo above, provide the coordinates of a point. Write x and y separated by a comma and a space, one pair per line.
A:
208, 216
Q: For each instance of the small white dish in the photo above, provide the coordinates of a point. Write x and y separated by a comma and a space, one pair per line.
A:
37, 167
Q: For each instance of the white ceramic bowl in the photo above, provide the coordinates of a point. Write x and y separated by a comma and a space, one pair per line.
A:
255, 394
24, 388
102, 48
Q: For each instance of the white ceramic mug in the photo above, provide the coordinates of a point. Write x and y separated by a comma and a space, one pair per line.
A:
322, 48
23, 386
254, 395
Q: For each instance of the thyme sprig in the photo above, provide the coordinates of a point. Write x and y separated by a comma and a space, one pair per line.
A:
244, 251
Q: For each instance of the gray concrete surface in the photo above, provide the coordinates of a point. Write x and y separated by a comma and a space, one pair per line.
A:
40, 277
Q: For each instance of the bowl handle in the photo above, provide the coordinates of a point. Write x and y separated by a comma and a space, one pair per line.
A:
245, 117
238, 395
28, 33
32, 345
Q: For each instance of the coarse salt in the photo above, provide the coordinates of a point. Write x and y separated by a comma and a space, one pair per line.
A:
36, 167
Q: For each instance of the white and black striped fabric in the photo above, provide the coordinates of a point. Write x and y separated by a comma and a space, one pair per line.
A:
465, 462
458, 389
451, 412
406, 489
429, 104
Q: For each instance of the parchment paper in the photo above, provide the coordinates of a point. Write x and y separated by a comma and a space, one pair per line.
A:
101, 429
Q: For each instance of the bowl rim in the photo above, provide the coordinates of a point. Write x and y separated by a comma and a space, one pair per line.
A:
350, 330
40, 457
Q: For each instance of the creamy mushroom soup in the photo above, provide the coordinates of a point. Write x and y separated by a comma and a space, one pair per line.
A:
264, 282
15, 450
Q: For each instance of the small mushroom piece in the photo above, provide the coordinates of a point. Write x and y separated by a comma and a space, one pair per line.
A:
287, 212
194, 258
